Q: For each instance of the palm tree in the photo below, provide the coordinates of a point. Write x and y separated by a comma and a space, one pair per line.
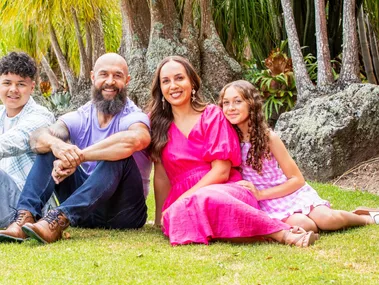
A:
61, 19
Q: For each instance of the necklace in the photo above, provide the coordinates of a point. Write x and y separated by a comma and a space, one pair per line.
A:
246, 137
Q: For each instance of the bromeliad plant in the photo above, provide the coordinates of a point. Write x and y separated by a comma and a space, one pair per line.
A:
276, 83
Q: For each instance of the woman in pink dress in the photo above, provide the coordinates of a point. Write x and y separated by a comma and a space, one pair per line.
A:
194, 149
272, 175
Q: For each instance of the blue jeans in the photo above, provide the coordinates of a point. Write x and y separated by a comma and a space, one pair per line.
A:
9, 194
111, 197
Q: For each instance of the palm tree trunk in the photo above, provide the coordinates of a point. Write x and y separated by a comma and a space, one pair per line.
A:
324, 68
303, 82
97, 33
84, 75
365, 48
350, 61
51, 75
374, 48
66, 70
89, 46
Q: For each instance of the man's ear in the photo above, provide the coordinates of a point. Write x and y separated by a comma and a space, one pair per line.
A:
92, 76
33, 85
127, 80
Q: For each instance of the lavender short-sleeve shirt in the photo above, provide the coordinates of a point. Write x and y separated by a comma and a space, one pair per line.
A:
85, 131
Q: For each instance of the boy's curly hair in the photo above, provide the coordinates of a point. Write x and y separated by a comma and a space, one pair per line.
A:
18, 63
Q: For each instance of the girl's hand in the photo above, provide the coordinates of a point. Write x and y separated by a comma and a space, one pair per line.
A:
250, 186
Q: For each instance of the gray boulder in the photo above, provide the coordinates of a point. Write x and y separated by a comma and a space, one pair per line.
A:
331, 134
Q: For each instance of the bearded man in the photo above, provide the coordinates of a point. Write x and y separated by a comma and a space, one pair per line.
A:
93, 159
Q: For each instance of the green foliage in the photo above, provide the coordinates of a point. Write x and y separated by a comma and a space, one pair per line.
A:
311, 65
248, 27
58, 101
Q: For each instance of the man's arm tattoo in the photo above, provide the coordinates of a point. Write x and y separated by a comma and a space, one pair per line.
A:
59, 130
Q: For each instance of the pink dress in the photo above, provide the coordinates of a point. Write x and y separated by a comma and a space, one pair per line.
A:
215, 211
300, 201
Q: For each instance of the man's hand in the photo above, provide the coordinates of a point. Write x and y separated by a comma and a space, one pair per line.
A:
70, 155
60, 173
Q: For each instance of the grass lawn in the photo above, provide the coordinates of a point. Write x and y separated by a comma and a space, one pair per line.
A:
146, 257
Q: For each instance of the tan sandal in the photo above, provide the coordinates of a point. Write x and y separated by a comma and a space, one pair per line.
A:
300, 240
374, 213
364, 210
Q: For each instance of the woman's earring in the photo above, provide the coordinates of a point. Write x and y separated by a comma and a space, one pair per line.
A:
163, 102
193, 95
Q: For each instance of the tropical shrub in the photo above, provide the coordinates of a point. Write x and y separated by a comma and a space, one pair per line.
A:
276, 83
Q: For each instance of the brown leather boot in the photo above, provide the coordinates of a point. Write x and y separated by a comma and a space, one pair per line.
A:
48, 229
14, 233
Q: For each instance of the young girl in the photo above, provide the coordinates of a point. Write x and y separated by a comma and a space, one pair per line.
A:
272, 175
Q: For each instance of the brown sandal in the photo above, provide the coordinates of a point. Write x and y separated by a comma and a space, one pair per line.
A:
301, 240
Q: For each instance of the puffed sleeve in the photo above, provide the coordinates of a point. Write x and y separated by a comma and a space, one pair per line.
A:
220, 138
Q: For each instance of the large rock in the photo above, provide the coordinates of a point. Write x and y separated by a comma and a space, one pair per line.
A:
331, 134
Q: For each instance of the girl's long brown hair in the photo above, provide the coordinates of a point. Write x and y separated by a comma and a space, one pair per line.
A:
257, 125
161, 115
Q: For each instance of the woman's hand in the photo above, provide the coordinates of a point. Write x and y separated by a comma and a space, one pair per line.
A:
250, 186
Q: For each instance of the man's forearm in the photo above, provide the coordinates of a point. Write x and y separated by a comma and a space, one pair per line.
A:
118, 146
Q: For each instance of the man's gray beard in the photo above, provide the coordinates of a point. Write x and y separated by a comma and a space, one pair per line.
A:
109, 107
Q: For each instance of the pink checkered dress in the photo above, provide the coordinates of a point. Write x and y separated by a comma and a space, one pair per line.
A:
300, 201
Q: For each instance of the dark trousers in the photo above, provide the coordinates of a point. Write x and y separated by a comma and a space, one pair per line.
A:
111, 197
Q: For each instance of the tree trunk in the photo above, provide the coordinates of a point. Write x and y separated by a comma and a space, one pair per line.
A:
66, 70
51, 75
136, 25
374, 49
324, 68
89, 46
164, 33
303, 82
217, 67
350, 61
84, 75
135, 40
189, 36
365, 48
97, 34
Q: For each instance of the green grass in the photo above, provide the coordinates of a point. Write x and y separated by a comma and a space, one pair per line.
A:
146, 257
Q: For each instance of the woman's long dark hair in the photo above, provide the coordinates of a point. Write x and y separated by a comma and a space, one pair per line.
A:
161, 115
257, 125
